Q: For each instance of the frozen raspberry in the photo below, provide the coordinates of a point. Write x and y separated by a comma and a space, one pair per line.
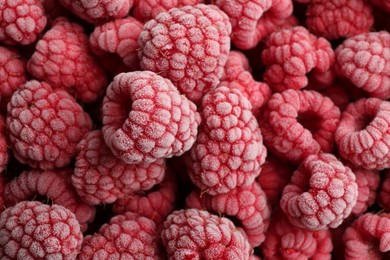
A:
63, 59
145, 118
383, 4
290, 54
321, 193
297, 123
32, 230
384, 193
247, 204
362, 136
127, 236
368, 237
339, 95
55, 186
364, 59
4, 156
98, 10
45, 125
229, 149
21, 21
188, 45
197, 234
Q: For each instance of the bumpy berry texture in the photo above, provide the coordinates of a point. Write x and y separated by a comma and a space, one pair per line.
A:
297, 123
364, 59
363, 135
290, 54
384, 192
145, 118
127, 236
321, 193
32, 230
229, 149
63, 59
21, 21
197, 234
188, 45
45, 125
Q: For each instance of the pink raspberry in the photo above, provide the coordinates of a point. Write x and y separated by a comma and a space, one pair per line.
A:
383, 4
368, 237
246, 204
45, 125
55, 186
197, 234
4, 156
127, 236
32, 230
297, 123
145, 118
290, 54
188, 45
63, 59
363, 133
21, 21
384, 193
364, 59
229, 149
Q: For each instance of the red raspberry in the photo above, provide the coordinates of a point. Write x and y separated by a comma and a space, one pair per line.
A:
339, 95
32, 230
21, 21
45, 125
62, 58
126, 236
229, 149
383, 4
384, 193
197, 234
246, 204
4, 156
189, 46
364, 59
55, 186
363, 133
297, 123
145, 118
290, 54
321, 193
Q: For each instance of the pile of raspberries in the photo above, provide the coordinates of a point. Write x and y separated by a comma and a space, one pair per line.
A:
194, 129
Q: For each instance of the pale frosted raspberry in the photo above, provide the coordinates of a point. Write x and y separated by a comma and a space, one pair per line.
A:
384, 192
145, 118
100, 177
247, 204
188, 45
362, 136
127, 236
290, 54
383, 4
229, 149
63, 59
321, 193
21, 21
196, 234
4, 156
297, 123
55, 186
45, 125
368, 237
364, 59
32, 230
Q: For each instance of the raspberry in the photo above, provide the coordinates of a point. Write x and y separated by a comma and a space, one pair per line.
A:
364, 59
45, 125
145, 118
21, 21
62, 58
126, 236
363, 133
246, 204
188, 45
339, 95
368, 237
229, 149
384, 193
32, 230
4, 157
290, 54
383, 4
321, 193
55, 186
297, 123
197, 234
